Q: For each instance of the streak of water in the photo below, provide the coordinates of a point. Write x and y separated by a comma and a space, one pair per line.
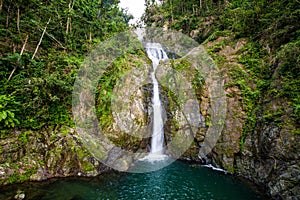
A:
156, 53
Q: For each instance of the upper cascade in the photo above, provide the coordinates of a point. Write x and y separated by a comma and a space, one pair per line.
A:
156, 53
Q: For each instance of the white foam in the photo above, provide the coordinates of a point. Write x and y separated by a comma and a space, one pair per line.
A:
152, 157
215, 168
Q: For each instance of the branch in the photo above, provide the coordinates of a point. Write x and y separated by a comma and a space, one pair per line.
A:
53, 38
68, 26
18, 20
68, 19
23, 48
7, 17
37, 47
1, 5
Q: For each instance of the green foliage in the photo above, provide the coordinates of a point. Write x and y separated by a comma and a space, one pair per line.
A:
251, 99
289, 56
274, 21
242, 16
41, 88
252, 59
289, 73
251, 79
181, 64
217, 33
296, 132
44, 91
181, 15
8, 107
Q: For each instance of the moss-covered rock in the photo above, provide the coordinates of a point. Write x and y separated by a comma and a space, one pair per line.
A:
39, 155
258, 140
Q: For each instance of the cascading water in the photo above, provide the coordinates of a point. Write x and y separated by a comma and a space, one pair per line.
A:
156, 53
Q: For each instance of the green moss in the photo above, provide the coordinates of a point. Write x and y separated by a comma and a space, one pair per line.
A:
58, 150
54, 135
272, 116
24, 136
41, 163
231, 169
87, 167
180, 64
198, 83
80, 153
14, 178
19, 178
64, 130
296, 132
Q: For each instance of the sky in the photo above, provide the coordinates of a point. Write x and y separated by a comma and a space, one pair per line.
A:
135, 7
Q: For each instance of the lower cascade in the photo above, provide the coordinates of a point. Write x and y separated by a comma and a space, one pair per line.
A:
156, 53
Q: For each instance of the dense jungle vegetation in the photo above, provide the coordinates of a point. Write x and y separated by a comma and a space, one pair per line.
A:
43, 43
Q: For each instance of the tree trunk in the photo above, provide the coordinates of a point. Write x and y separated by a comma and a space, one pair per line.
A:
68, 20
1, 5
18, 20
37, 47
7, 16
22, 50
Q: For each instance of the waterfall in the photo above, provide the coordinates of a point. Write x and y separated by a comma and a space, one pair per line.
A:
156, 53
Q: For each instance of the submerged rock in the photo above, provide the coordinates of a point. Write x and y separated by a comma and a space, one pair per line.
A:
20, 195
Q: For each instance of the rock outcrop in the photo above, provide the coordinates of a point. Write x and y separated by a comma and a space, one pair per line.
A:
269, 153
31, 155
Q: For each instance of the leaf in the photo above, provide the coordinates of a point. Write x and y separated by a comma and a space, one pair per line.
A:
10, 114
16, 121
1, 117
4, 115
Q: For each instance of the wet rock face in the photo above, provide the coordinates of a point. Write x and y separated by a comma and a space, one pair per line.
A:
270, 157
131, 110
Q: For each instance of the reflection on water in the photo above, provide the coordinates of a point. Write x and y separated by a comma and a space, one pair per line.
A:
177, 181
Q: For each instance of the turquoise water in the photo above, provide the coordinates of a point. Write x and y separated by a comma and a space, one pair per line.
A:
177, 181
